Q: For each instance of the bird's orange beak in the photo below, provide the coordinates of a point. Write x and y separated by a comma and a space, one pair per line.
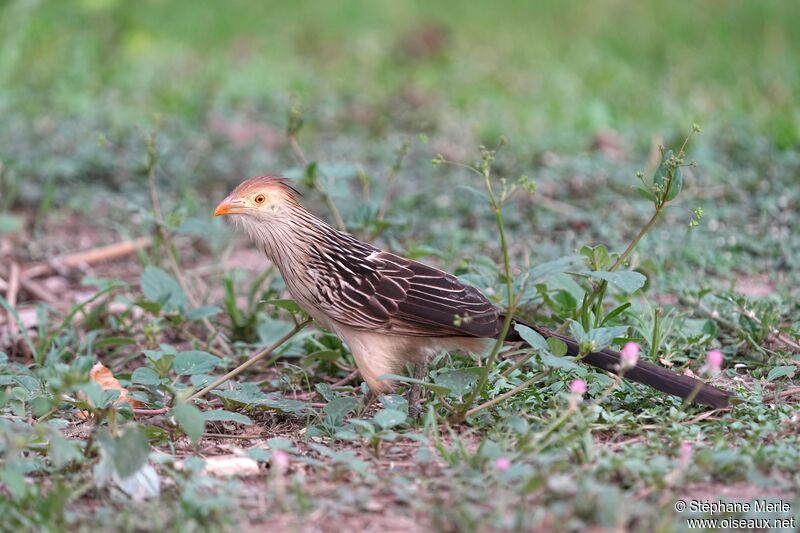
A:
226, 207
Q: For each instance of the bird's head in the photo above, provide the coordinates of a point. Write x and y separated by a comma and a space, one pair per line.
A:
263, 198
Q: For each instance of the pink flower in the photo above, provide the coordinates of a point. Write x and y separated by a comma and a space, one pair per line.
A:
686, 452
280, 460
630, 355
502, 464
714, 360
577, 387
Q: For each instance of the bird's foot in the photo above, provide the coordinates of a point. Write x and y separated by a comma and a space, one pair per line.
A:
415, 391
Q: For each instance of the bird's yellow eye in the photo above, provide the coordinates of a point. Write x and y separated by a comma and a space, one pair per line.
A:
260, 199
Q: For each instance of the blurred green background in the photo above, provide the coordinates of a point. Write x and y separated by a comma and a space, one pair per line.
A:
543, 69
583, 91
548, 74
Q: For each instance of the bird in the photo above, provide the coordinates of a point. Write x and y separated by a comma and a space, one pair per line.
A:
390, 310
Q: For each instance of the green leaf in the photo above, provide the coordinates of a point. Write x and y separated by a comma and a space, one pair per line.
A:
389, 418
616, 312
460, 381
603, 337
557, 347
662, 170
110, 342
562, 264
40, 405
157, 355
534, 339
288, 305
558, 362
199, 381
162, 360
151, 307
270, 329
597, 256
190, 419
322, 355
478, 194
676, 185
339, 407
14, 480
94, 393
128, 452
710, 328
627, 281
250, 394
325, 391
194, 362
395, 402
439, 389
162, 288
220, 415
646, 194
203, 312
145, 375
577, 331
294, 407
784, 371
63, 451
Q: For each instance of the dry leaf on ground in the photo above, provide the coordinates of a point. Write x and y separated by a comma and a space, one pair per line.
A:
103, 377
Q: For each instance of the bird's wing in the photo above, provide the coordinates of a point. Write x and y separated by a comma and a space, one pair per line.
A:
389, 293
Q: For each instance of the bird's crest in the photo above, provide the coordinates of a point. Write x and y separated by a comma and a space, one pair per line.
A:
269, 184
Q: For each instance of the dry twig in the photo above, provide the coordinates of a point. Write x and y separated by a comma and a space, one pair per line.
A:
297, 150
86, 257
259, 355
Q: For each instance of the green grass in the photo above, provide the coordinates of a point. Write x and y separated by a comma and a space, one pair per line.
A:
583, 93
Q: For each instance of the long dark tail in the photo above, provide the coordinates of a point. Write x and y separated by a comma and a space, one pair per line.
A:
644, 372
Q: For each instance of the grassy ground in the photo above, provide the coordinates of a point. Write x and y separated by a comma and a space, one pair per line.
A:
125, 120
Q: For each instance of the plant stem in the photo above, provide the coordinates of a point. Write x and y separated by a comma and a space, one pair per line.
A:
387, 195
508, 394
261, 354
689, 399
656, 334
484, 376
621, 259
601, 288
297, 150
507, 372
542, 440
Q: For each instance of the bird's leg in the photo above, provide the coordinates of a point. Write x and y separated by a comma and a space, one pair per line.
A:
421, 369
366, 402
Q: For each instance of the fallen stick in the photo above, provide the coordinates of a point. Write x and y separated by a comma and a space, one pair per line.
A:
791, 391
40, 293
86, 257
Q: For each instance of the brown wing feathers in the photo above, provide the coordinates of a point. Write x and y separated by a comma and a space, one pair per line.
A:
439, 301
644, 372
380, 291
